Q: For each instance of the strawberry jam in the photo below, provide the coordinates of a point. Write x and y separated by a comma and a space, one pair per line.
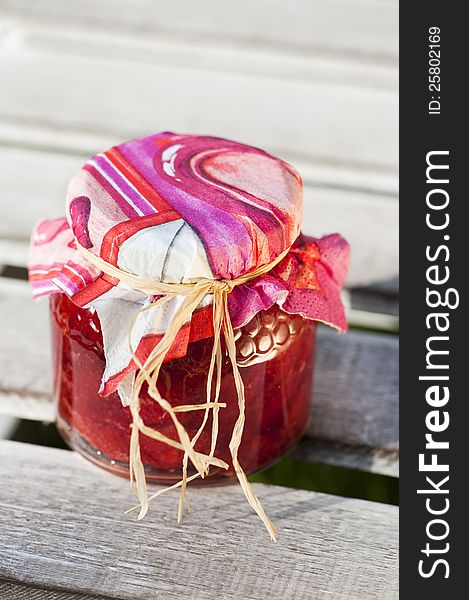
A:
275, 352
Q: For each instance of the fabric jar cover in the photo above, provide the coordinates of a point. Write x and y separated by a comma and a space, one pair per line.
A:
219, 223
178, 208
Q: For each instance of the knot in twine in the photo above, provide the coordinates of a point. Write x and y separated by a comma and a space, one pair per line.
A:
148, 371
221, 285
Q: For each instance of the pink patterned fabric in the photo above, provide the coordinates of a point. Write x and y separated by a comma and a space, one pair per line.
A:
179, 208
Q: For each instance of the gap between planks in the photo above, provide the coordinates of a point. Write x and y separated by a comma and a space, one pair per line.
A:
81, 144
268, 62
41, 87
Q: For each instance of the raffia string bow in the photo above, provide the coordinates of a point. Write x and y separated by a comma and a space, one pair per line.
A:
148, 372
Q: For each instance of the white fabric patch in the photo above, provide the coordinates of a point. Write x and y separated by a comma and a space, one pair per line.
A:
171, 252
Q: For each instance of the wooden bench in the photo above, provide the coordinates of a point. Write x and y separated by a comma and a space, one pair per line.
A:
312, 81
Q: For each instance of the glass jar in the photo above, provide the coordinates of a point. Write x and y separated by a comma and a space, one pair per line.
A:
275, 353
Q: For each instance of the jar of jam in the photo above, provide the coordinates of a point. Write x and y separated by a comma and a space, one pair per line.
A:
275, 353
184, 301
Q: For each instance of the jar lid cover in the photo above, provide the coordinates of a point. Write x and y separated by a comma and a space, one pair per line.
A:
180, 207
177, 208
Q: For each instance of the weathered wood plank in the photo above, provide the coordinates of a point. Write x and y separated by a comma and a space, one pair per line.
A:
373, 299
41, 194
7, 426
355, 389
368, 221
41, 86
82, 144
25, 404
362, 28
365, 319
17, 591
62, 526
24, 351
241, 59
363, 458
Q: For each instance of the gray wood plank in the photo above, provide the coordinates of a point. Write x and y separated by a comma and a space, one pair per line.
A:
253, 60
365, 29
364, 319
8, 425
10, 590
40, 86
82, 144
356, 389
363, 458
355, 397
377, 300
62, 526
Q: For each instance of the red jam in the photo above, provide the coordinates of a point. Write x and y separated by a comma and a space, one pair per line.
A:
275, 353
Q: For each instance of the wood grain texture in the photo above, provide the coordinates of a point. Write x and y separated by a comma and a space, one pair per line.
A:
25, 404
61, 526
355, 396
265, 62
311, 115
10, 590
25, 350
376, 300
8, 425
362, 28
81, 143
356, 386
42, 194
363, 458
